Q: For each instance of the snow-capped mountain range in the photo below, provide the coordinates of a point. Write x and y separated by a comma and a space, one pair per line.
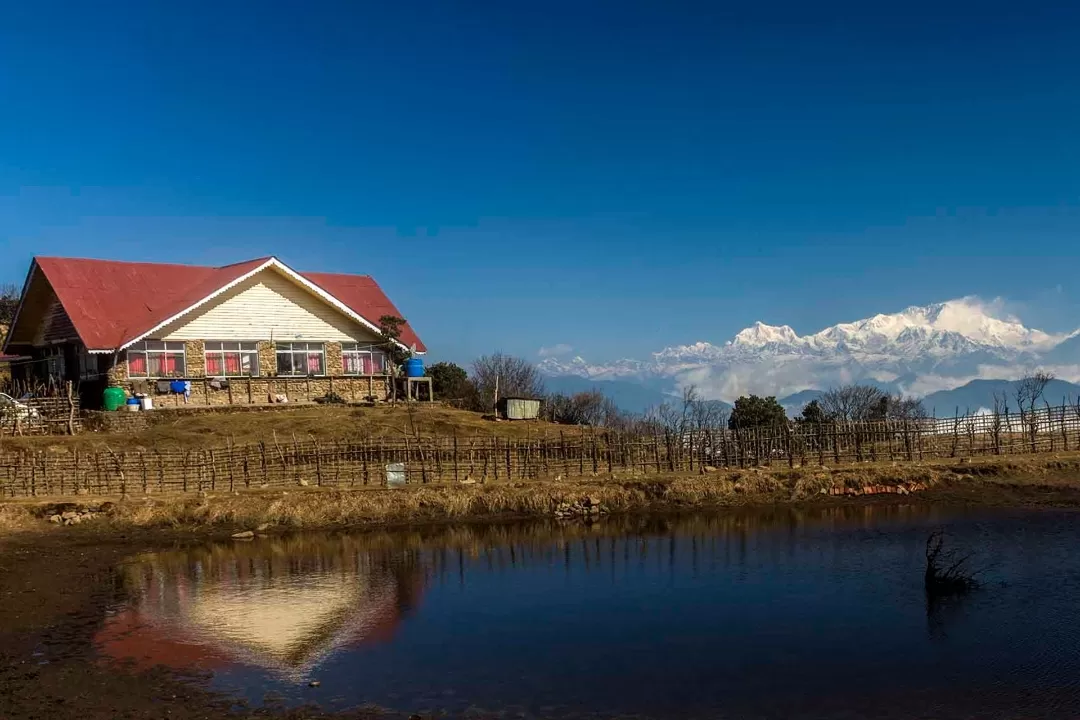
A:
917, 351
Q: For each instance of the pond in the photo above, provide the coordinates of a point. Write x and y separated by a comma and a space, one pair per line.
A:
781, 614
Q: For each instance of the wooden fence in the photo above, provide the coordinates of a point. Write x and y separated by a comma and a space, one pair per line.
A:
433, 459
56, 412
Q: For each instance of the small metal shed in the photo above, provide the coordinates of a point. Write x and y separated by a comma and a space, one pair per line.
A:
519, 408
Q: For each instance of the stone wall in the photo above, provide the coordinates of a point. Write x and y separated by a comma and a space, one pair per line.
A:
334, 363
261, 391
267, 358
195, 358
118, 373
119, 421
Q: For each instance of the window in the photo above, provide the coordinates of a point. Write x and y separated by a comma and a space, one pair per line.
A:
156, 359
55, 365
88, 365
361, 359
300, 358
232, 359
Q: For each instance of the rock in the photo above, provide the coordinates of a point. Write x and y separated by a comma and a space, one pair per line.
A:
314, 683
303, 482
55, 519
243, 534
264, 527
264, 485
468, 481
709, 469
594, 501
106, 507
73, 521
69, 515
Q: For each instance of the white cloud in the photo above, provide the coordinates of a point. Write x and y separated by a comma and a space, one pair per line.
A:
555, 350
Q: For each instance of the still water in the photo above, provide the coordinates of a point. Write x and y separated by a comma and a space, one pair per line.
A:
786, 614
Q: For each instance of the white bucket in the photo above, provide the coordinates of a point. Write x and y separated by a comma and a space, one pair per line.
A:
146, 403
132, 408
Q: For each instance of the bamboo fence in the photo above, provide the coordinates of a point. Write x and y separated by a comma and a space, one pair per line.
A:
440, 459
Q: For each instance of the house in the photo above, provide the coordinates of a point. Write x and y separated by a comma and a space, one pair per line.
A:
239, 334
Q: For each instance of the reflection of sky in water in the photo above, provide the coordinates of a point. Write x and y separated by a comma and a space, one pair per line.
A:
782, 615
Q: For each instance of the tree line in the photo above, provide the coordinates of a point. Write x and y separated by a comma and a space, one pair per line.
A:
501, 375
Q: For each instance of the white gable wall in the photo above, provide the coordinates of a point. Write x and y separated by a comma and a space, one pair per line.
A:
263, 307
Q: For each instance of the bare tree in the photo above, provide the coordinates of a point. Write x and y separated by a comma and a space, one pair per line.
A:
1000, 420
585, 408
1028, 393
899, 407
865, 402
853, 402
511, 376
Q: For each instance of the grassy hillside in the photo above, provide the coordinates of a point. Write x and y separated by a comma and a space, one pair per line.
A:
200, 428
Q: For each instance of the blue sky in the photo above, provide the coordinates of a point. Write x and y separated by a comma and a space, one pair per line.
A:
611, 176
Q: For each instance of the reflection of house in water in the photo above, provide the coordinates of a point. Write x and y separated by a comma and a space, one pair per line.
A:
280, 606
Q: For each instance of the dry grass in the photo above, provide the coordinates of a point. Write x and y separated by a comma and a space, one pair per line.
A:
16, 517
201, 428
1038, 480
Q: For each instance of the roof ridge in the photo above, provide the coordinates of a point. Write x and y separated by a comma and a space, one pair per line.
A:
69, 258
259, 260
340, 274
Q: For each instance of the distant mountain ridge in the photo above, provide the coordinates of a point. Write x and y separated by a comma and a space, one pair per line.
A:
920, 351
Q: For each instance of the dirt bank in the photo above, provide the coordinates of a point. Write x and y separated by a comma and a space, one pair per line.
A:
1039, 480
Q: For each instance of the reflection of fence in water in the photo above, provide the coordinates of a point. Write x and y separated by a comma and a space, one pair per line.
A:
434, 459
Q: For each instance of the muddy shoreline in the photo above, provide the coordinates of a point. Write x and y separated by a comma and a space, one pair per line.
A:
57, 582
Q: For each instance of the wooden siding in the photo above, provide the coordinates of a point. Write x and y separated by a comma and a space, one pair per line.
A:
57, 326
267, 306
36, 303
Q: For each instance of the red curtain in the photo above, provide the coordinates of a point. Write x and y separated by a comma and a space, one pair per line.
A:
137, 364
213, 365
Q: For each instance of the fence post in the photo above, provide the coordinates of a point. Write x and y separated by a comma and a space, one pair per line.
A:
509, 468
213, 471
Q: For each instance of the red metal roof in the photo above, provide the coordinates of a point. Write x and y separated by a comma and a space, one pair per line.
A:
111, 303
365, 298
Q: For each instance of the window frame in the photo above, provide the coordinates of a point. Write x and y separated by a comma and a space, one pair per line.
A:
149, 348
358, 350
306, 352
220, 351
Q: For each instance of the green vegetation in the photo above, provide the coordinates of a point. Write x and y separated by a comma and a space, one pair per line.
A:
753, 411
449, 381
390, 332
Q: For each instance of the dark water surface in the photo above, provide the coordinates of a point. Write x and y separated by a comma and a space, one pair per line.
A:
788, 614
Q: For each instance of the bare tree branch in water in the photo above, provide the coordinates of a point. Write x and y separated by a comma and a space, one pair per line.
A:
947, 571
